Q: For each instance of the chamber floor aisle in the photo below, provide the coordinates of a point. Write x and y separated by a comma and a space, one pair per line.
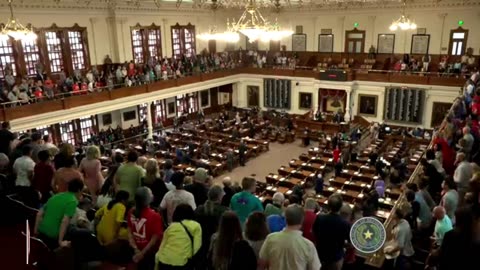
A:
261, 166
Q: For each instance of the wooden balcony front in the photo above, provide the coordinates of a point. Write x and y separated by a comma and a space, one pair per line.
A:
72, 101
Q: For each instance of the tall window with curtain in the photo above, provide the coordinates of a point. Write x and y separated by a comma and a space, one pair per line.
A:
183, 40
57, 48
137, 46
6, 57
142, 112
55, 51
160, 110
146, 43
31, 54
77, 50
67, 130
86, 128
44, 130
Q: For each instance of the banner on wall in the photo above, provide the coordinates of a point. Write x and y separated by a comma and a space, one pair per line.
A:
404, 104
277, 93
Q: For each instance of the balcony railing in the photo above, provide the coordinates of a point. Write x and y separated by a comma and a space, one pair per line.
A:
63, 101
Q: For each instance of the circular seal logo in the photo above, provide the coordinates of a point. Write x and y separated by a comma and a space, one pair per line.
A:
367, 235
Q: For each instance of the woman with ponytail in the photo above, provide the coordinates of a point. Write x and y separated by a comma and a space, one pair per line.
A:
145, 230
111, 218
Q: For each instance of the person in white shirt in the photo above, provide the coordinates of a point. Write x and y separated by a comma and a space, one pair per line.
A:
288, 249
402, 234
23, 167
462, 175
176, 197
442, 225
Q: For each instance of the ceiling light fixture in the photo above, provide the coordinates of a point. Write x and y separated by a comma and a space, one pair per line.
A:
14, 29
255, 27
403, 23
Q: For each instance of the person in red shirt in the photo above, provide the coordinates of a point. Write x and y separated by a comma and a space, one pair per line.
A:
145, 230
42, 175
310, 207
75, 89
336, 155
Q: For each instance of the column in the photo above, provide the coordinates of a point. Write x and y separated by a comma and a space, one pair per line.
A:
149, 121
347, 106
92, 25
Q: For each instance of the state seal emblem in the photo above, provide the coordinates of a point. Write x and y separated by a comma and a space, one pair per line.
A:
367, 235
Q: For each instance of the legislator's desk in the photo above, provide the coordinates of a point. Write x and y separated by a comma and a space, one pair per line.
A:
326, 127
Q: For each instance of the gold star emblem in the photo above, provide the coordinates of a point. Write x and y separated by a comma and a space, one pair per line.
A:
368, 234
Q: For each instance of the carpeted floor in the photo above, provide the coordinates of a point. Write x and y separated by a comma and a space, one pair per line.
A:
267, 162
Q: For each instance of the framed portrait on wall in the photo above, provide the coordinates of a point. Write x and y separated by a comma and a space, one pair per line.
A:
107, 119
305, 100
325, 43
386, 43
253, 96
171, 107
367, 105
420, 44
439, 111
204, 98
299, 42
130, 115
334, 104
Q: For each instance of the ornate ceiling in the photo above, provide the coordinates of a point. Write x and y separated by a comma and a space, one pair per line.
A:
233, 4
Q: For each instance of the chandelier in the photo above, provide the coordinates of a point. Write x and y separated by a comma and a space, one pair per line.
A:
14, 29
251, 24
212, 34
404, 23
255, 27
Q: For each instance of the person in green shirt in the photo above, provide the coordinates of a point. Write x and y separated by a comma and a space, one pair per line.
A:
275, 208
129, 175
244, 203
53, 219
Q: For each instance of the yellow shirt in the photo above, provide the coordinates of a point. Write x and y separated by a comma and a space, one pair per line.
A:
176, 247
109, 229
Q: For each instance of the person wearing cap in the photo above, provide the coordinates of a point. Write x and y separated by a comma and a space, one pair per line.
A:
199, 187
173, 198
275, 208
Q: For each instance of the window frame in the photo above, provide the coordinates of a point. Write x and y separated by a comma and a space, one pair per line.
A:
70, 134
182, 42
145, 43
89, 130
464, 41
68, 67
9, 45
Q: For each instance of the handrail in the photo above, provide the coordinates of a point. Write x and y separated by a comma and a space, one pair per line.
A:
378, 258
57, 96
63, 95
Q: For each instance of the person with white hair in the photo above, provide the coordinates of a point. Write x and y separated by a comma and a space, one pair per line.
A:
311, 206
442, 225
275, 208
462, 175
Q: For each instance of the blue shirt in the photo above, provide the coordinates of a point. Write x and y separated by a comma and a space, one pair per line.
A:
276, 223
425, 214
